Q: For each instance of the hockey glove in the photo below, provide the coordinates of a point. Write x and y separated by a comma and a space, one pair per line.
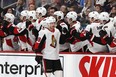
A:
89, 34
102, 33
64, 31
28, 23
6, 24
109, 39
38, 59
105, 36
35, 32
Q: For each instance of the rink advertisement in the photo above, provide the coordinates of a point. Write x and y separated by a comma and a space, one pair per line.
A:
74, 65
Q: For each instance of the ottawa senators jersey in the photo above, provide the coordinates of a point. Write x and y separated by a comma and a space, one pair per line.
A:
38, 24
50, 45
77, 44
22, 38
95, 47
109, 27
61, 25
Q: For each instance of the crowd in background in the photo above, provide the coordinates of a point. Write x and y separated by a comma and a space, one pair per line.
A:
81, 7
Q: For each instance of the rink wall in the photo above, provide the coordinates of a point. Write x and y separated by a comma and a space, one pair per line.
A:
22, 64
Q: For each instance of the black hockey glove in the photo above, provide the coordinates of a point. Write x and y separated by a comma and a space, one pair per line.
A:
11, 30
5, 23
102, 33
109, 39
89, 34
59, 28
64, 31
38, 59
28, 23
35, 32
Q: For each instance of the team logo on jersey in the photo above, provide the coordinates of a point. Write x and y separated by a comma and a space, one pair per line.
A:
99, 27
54, 42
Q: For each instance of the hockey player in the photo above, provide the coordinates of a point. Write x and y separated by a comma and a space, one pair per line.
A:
75, 43
48, 45
63, 28
95, 28
2, 35
9, 44
22, 25
31, 37
40, 14
108, 25
109, 40
11, 29
107, 32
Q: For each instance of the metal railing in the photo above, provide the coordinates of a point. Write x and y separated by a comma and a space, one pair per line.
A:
10, 5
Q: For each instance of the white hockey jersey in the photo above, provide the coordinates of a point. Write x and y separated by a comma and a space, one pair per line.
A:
66, 45
95, 47
109, 27
51, 49
9, 43
22, 39
77, 45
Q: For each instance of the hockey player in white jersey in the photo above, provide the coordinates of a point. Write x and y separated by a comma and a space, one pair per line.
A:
95, 28
31, 37
109, 40
22, 25
107, 32
108, 25
75, 43
112, 45
40, 14
8, 44
63, 28
48, 45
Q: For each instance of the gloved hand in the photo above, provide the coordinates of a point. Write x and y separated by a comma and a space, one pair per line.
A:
89, 34
38, 59
109, 39
35, 32
5, 24
11, 30
28, 23
105, 36
102, 33
64, 31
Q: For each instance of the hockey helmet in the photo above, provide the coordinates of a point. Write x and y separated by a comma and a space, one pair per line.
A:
72, 15
59, 14
24, 13
104, 16
41, 10
94, 14
51, 19
32, 14
9, 17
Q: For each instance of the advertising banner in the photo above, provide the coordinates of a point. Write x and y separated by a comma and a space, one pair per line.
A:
74, 65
